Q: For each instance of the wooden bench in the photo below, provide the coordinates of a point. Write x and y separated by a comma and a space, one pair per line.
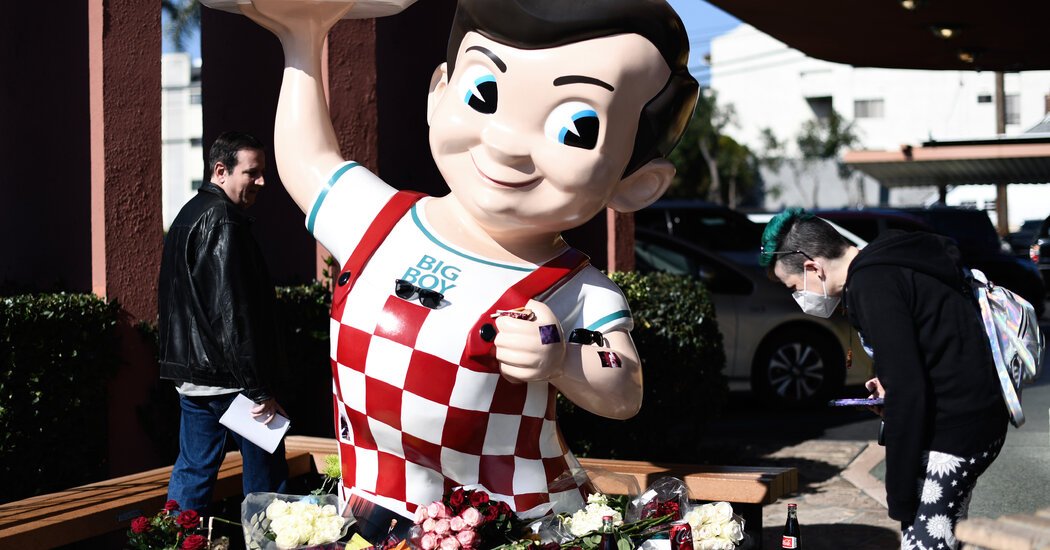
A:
80, 513
1014, 532
747, 488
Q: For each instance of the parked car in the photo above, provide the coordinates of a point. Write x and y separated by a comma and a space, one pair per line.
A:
1020, 241
979, 244
1040, 252
771, 346
717, 228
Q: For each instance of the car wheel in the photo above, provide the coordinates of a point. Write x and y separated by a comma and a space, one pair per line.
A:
798, 367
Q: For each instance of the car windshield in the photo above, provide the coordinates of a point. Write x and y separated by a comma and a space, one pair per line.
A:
718, 229
971, 229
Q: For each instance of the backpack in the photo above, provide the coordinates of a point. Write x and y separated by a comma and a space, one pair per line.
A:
1013, 333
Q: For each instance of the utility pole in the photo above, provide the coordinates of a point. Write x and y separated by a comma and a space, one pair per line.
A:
1001, 209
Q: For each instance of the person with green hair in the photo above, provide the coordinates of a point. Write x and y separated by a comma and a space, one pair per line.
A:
905, 293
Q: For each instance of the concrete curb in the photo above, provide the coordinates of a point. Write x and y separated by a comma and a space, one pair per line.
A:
859, 472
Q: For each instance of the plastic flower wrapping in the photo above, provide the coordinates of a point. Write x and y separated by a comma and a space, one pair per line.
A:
276, 521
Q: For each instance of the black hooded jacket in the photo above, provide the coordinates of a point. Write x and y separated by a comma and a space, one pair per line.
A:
906, 295
218, 324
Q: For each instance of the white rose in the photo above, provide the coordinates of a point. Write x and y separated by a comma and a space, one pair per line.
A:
597, 498
731, 530
287, 539
276, 509
282, 523
708, 531
721, 512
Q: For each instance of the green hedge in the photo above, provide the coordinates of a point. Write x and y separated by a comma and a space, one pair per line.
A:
57, 352
304, 388
53, 400
678, 340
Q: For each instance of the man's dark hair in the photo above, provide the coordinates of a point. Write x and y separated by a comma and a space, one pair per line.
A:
536, 24
224, 149
795, 230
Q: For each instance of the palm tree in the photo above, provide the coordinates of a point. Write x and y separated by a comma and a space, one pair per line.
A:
184, 16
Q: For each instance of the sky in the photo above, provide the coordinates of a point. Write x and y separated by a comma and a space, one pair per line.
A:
702, 21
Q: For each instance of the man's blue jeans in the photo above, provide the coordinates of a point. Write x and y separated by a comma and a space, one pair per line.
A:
201, 449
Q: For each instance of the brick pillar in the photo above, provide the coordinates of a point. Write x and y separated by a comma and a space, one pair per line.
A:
126, 225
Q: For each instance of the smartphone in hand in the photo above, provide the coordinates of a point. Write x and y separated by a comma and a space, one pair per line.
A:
856, 402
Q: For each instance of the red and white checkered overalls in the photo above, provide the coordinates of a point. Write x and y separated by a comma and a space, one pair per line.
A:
408, 444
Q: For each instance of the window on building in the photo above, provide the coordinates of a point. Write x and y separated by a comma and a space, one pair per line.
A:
196, 142
868, 108
195, 98
972, 205
821, 106
984, 98
1013, 109
989, 205
196, 184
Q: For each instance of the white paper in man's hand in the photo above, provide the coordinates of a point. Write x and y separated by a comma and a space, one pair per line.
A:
239, 419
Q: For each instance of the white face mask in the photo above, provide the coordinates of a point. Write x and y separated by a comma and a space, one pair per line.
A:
813, 303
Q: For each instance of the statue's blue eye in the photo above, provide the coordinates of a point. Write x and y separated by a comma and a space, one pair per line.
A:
478, 89
574, 124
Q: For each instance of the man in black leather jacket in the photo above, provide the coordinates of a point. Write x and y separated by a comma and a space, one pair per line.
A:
218, 334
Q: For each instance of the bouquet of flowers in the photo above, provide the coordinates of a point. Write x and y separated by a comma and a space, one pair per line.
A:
465, 518
273, 520
715, 526
170, 529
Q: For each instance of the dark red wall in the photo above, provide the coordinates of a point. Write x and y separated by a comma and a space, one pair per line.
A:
45, 187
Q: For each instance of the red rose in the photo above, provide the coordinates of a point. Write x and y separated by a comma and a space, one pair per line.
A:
140, 525
171, 506
194, 542
188, 519
457, 498
490, 514
504, 508
478, 498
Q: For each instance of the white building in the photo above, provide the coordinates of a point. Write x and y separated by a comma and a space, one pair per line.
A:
182, 157
774, 86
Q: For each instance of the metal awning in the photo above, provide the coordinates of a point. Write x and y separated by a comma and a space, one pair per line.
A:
947, 163
907, 34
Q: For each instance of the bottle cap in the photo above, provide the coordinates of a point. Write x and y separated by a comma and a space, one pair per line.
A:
792, 505
606, 518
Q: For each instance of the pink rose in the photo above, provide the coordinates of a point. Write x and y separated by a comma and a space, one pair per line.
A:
457, 524
449, 543
471, 517
434, 509
442, 527
428, 525
421, 514
466, 538
429, 541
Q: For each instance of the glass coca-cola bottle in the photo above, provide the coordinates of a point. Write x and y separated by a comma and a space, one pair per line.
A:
791, 537
608, 541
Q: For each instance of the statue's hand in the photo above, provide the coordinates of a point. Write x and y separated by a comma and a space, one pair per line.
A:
296, 19
531, 350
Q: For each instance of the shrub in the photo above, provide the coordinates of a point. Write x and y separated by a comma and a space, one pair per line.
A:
57, 351
678, 340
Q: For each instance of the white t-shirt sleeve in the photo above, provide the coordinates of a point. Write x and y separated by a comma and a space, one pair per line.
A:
591, 301
344, 208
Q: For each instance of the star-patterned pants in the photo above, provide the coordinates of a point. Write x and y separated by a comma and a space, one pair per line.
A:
944, 498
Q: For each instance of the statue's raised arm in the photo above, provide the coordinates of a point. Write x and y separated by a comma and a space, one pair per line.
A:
305, 145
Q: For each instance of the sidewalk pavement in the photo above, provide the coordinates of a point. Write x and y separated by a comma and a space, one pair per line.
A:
840, 504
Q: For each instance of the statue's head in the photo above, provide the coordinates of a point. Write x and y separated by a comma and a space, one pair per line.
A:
547, 110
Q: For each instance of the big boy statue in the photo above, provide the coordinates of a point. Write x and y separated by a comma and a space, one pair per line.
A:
456, 319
